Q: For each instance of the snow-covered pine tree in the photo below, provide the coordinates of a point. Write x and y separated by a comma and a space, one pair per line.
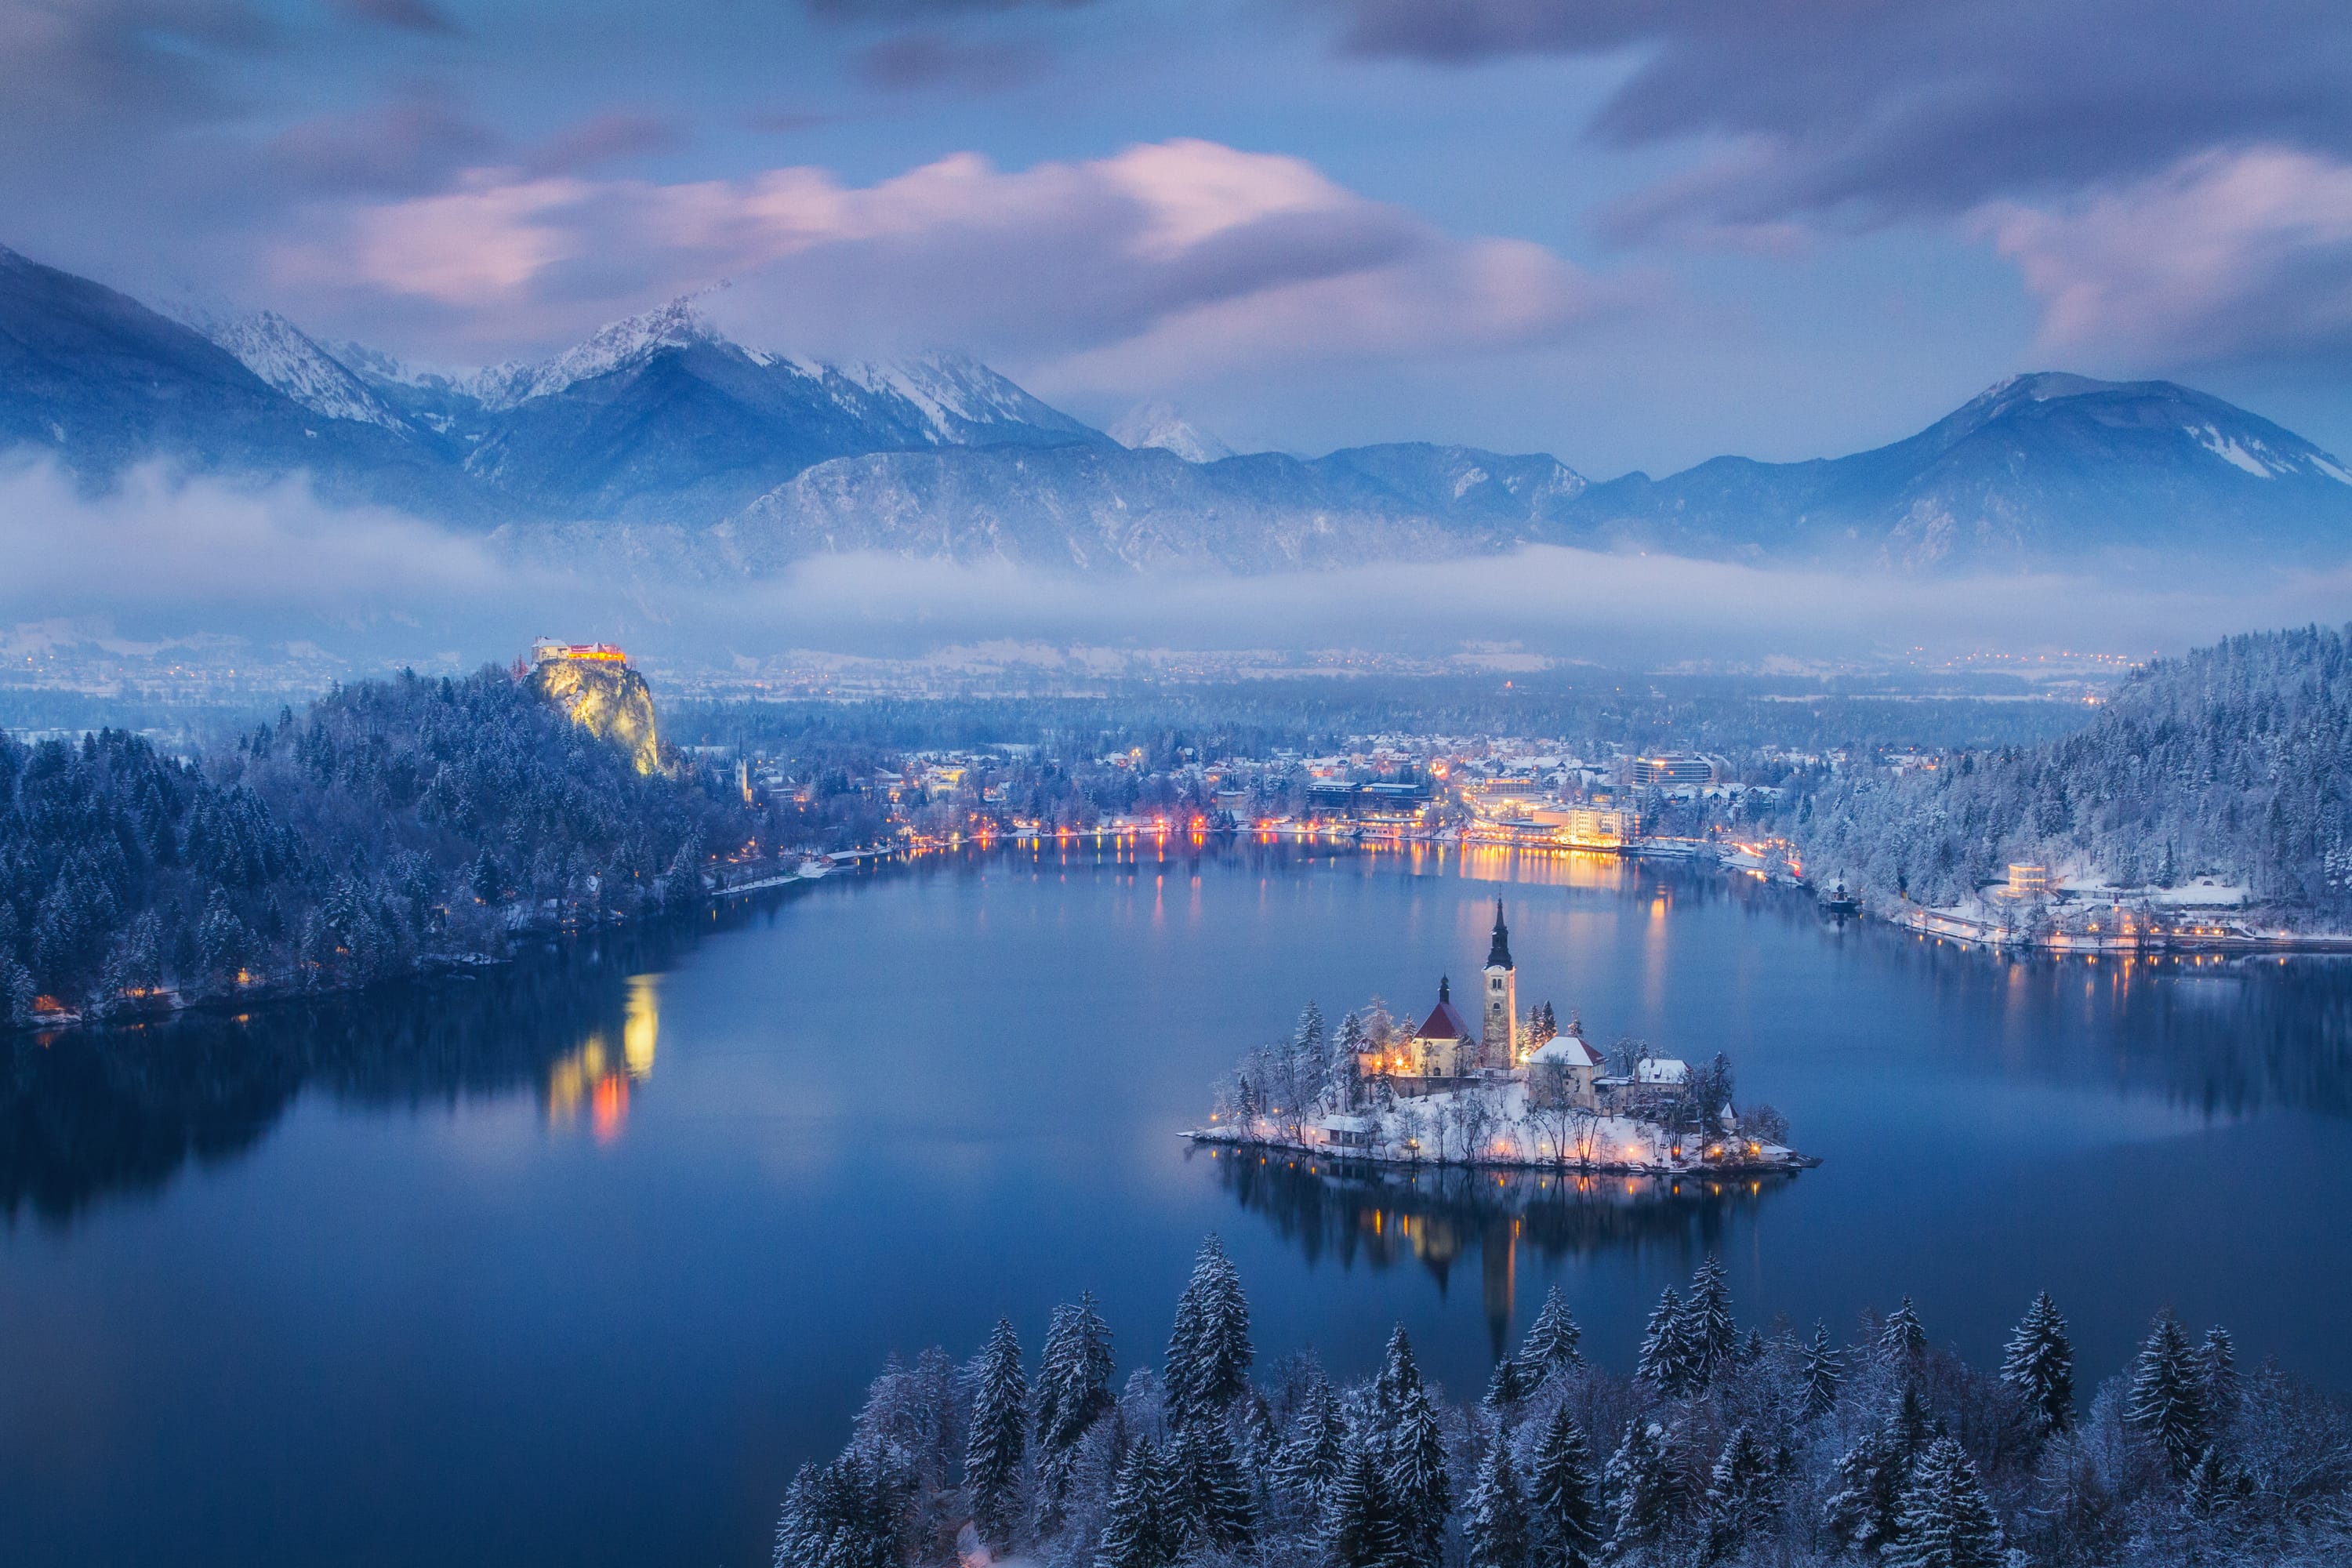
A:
1216, 1506
1181, 1369
1506, 1390
1865, 1510
1947, 1521
846, 1514
1312, 1452
1141, 1531
1551, 1344
1498, 1528
1903, 1338
996, 1444
1072, 1392
1564, 1511
1666, 1358
1361, 1527
1310, 1047
1353, 1043
2167, 1394
1824, 1372
1209, 1352
1712, 1338
2215, 1488
1644, 1488
1743, 1495
2217, 1367
1073, 1374
2039, 1365
1414, 1455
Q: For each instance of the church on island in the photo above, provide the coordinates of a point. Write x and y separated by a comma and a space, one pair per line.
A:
1512, 1088
1442, 1054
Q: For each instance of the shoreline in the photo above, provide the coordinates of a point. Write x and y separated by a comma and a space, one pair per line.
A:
1787, 1163
277, 991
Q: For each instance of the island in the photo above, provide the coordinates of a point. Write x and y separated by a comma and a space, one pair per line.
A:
1516, 1090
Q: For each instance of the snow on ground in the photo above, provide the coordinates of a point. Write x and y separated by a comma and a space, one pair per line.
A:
1429, 1129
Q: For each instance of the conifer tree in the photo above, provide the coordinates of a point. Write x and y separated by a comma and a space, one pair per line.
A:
1947, 1521
2217, 1367
1566, 1515
2039, 1365
1551, 1344
1216, 1506
1666, 1358
1742, 1494
1644, 1489
1140, 1530
1711, 1337
1209, 1351
1824, 1372
1414, 1447
1902, 1337
1498, 1512
1361, 1525
2168, 1401
993, 1451
1313, 1450
1865, 1510
1072, 1392
1506, 1390
846, 1514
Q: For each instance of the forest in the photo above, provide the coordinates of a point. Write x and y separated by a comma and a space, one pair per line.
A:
389, 823
1767, 1446
2233, 763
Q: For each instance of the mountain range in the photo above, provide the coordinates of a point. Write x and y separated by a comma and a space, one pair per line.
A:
661, 440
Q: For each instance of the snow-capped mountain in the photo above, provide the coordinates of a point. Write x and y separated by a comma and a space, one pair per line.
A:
745, 459
286, 357
2042, 471
1160, 424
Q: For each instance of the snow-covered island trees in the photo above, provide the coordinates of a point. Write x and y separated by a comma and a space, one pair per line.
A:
1517, 1090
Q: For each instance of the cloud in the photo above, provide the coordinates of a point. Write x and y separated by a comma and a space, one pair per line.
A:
1876, 110
2227, 255
158, 540
407, 16
1177, 252
928, 59
116, 69
407, 145
916, 10
604, 139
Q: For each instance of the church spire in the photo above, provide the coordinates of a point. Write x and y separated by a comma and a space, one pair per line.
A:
1498, 956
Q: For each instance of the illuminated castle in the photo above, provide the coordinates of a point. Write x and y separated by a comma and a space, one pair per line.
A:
547, 650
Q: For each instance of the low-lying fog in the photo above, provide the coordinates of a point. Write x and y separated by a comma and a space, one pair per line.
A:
159, 557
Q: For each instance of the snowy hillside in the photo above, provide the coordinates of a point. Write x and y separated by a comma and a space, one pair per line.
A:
282, 354
1159, 424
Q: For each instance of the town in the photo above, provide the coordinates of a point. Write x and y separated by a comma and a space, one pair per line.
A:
1513, 1089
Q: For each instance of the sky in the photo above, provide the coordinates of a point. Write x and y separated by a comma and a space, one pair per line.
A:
1630, 234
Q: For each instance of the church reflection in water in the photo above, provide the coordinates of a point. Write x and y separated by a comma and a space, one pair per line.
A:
1381, 1216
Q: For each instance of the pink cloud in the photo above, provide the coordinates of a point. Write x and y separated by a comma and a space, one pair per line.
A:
2227, 254
1181, 253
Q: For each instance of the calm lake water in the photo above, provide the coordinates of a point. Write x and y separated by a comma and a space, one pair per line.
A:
577, 1264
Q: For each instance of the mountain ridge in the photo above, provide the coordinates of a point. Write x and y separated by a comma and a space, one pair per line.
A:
745, 460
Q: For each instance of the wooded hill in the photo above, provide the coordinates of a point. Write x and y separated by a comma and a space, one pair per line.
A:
388, 822
2234, 763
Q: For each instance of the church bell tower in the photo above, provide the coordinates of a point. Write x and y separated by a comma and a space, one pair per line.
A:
1498, 1042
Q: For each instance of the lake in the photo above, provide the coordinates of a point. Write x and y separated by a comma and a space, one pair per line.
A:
577, 1261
